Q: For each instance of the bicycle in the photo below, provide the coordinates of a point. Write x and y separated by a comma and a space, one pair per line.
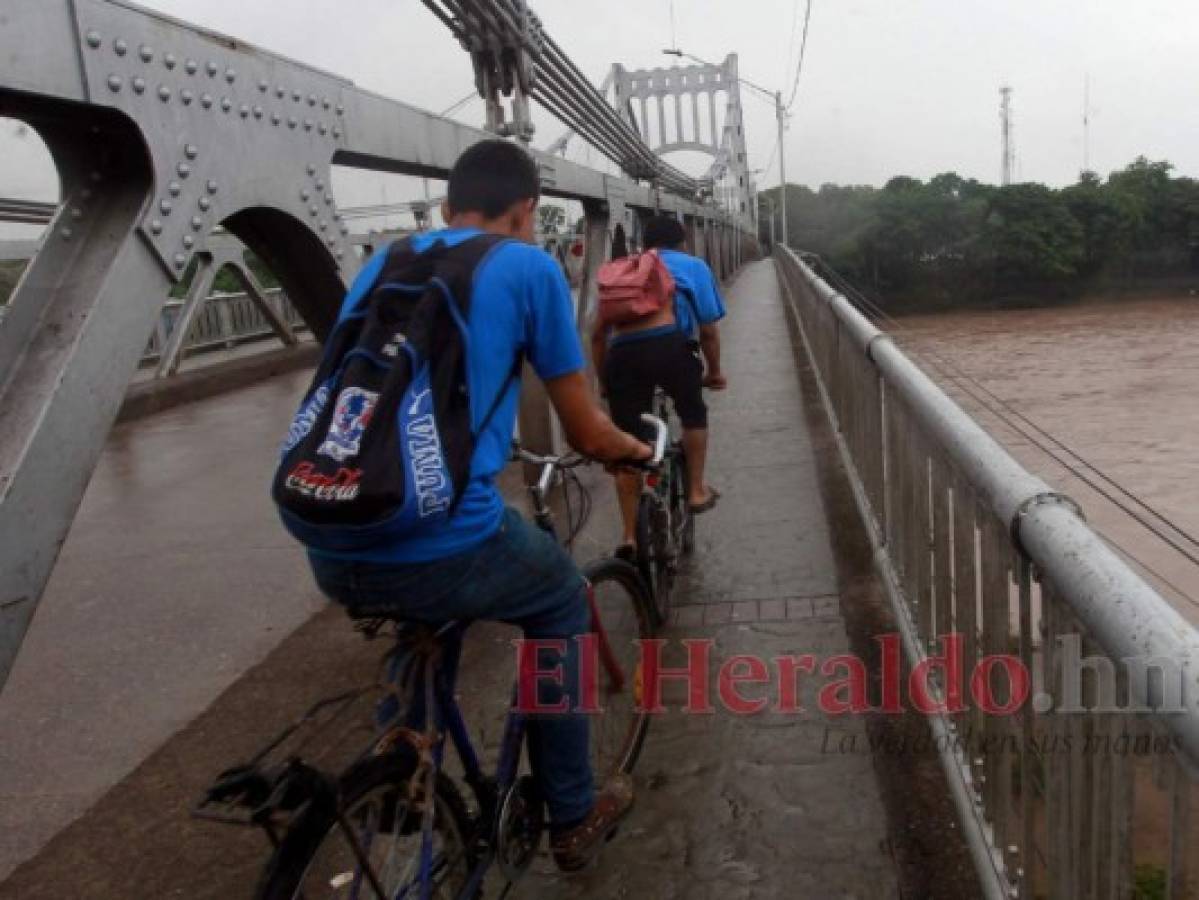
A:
665, 525
394, 825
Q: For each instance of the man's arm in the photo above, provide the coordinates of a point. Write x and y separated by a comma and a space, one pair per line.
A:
587, 427
709, 344
599, 350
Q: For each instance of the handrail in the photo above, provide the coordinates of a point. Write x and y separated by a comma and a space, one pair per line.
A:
969, 543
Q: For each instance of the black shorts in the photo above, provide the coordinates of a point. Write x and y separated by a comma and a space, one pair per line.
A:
634, 368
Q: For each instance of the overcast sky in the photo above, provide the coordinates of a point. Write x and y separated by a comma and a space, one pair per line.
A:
889, 86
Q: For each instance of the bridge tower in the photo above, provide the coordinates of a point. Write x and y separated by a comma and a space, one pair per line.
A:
683, 102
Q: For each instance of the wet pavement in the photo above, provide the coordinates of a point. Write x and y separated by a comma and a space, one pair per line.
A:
151, 616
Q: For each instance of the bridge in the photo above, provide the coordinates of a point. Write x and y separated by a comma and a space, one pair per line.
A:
867, 517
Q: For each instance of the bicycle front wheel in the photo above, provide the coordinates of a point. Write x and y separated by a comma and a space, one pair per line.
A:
317, 861
621, 620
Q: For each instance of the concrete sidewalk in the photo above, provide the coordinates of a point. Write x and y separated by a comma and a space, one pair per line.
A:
728, 806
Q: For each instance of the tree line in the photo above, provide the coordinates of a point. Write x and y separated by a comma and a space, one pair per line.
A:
951, 241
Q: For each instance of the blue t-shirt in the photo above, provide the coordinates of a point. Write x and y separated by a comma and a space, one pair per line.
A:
692, 275
520, 303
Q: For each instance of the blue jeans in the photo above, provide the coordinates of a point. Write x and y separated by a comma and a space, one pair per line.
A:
521, 576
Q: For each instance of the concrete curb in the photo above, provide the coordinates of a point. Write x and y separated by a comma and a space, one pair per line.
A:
150, 397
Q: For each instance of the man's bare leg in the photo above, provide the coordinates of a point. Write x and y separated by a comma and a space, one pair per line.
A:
628, 491
695, 445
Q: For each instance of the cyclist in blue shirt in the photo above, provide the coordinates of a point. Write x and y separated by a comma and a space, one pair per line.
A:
635, 359
486, 562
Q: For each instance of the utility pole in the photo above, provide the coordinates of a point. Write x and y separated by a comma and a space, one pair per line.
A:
1009, 147
782, 117
1086, 124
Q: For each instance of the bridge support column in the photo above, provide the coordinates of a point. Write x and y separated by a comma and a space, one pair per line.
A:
76, 329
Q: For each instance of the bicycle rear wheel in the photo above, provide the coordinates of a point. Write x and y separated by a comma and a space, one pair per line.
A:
681, 518
620, 621
316, 861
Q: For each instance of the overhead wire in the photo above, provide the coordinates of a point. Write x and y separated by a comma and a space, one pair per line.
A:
803, 48
1006, 413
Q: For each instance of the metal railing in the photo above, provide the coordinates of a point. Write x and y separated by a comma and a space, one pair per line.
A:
225, 321
1085, 785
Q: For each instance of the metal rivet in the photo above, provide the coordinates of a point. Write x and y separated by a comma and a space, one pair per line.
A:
156, 227
191, 67
146, 53
340, 254
164, 93
180, 260
291, 122
258, 112
67, 234
329, 199
244, 111
174, 189
115, 82
313, 210
263, 86
323, 129
332, 242
120, 47
187, 97
165, 207
305, 195
226, 104
296, 95
231, 75
308, 124
139, 85
311, 169
325, 102
345, 229
183, 169
211, 186
336, 132
320, 185
94, 40
191, 151
205, 204
280, 92
324, 226
170, 60
189, 241
276, 118
211, 68
197, 223
206, 101
312, 99
341, 110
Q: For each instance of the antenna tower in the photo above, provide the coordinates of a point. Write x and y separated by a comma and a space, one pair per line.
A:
1009, 145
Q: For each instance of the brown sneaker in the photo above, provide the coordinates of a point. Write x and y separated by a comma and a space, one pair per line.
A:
575, 848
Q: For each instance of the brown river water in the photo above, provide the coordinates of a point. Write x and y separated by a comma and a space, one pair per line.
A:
1117, 381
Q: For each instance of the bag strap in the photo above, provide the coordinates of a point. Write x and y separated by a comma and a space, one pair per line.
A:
513, 375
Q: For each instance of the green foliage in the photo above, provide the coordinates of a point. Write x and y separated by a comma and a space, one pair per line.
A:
960, 240
10, 273
1149, 883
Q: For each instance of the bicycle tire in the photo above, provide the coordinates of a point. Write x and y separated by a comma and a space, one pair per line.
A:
290, 866
655, 571
680, 502
621, 581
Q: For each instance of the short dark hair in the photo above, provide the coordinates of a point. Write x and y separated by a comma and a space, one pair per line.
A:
664, 231
490, 176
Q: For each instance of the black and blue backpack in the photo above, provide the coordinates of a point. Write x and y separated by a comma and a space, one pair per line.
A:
381, 446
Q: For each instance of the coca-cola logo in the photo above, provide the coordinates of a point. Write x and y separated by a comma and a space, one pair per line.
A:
340, 487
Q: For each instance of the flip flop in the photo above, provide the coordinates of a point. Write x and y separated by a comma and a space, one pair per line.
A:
708, 504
